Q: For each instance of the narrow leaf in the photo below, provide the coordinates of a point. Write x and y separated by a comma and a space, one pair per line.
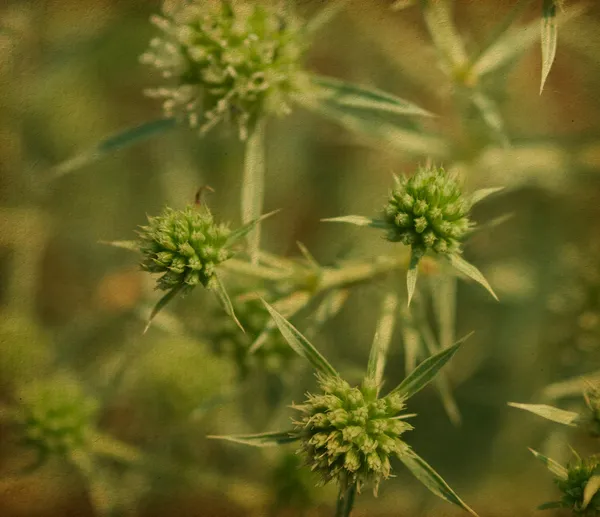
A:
411, 340
325, 15
345, 94
383, 336
243, 230
592, 487
491, 116
300, 344
412, 273
253, 187
225, 301
556, 468
431, 479
549, 413
427, 370
358, 220
552, 505
307, 255
471, 271
111, 144
481, 194
105, 445
162, 303
126, 245
262, 439
330, 305
570, 387
443, 296
549, 37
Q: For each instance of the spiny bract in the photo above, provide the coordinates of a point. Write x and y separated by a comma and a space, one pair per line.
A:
228, 59
579, 474
428, 212
186, 245
274, 353
349, 434
55, 415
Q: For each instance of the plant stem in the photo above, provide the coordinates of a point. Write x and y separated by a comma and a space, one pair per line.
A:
345, 500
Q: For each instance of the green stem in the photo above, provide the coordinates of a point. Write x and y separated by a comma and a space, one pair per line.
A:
345, 500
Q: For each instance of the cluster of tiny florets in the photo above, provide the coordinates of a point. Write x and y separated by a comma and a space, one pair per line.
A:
227, 59
229, 341
428, 212
55, 416
185, 245
349, 434
579, 474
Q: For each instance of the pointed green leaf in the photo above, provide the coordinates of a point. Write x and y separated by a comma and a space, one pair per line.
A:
162, 303
430, 478
549, 37
471, 271
383, 336
412, 273
300, 344
261, 439
253, 187
325, 15
225, 301
307, 255
481, 194
126, 245
556, 468
358, 220
552, 505
592, 487
243, 230
549, 413
427, 370
345, 94
112, 144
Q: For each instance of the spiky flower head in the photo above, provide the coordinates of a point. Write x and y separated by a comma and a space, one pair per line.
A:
226, 59
348, 434
579, 474
592, 401
185, 245
55, 416
428, 212
273, 354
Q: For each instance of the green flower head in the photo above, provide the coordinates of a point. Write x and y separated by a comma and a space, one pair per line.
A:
428, 212
185, 245
349, 434
227, 60
573, 487
55, 416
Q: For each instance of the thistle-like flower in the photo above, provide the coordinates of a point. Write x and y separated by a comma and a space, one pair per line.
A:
350, 434
185, 246
428, 212
226, 59
55, 416
573, 487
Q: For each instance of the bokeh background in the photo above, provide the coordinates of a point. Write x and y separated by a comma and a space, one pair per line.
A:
69, 76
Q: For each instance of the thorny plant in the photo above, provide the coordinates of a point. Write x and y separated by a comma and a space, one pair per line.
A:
241, 63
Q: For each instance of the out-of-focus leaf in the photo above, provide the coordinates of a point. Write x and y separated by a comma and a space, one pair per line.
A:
443, 296
556, 468
426, 371
549, 413
398, 5
126, 245
570, 387
490, 115
253, 187
549, 36
591, 489
412, 273
243, 230
307, 255
345, 94
245, 268
430, 478
300, 344
411, 340
105, 445
471, 271
325, 15
380, 132
481, 194
225, 301
358, 220
110, 145
552, 505
261, 439
162, 303
330, 305
383, 337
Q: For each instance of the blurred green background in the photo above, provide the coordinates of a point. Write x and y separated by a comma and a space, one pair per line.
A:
69, 76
